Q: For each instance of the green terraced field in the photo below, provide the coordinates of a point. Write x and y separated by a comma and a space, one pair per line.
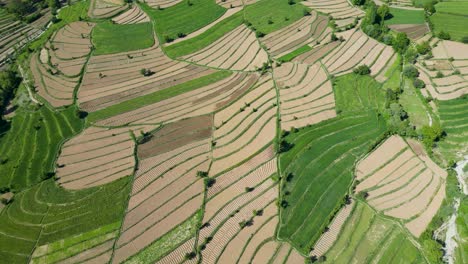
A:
403, 16
29, 148
321, 163
46, 213
114, 38
267, 16
454, 119
185, 17
370, 238
451, 17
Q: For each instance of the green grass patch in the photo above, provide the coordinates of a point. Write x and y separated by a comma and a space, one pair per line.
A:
28, 149
114, 38
267, 16
404, 16
295, 53
157, 96
184, 17
451, 17
168, 242
355, 92
206, 38
461, 252
318, 171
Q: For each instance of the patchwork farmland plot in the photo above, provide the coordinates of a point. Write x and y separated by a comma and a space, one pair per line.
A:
450, 60
318, 173
166, 189
414, 31
132, 16
203, 100
115, 78
14, 34
58, 66
237, 50
402, 182
97, 156
451, 17
368, 237
454, 115
244, 127
28, 149
106, 8
338, 9
307, 30
306, 95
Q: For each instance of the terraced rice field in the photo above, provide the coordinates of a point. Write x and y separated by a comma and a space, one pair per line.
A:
450, 60
319, 172
402, 182
106, 8
14, 34
306, 95
453, 115
29, 150
368, 237
338, 9
57, 68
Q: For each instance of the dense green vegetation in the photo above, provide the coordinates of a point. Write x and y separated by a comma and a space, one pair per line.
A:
168, 242
206, 38
461, 253
452, 18
29, 148
370, 238
267, 16
404, 16
114, 38
157, 96
46, 213
355, 92
183, 18
9, 81
318, 170
293, 54
454, 119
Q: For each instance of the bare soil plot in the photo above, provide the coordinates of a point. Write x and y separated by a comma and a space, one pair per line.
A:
328, 238
237, 50
309, 29
132, 16
56, 69
97, 156
114, 78
357, 49
252, 127
403, 182
166, 190
338, 9
306, 95
197, 102
317, 53
414, 31
106, 8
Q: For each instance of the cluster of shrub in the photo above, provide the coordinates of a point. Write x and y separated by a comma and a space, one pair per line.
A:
30, 10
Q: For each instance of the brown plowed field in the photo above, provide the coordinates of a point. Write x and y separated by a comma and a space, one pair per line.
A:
132, 16
237, 50
402, 182
413, 31
106, 8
